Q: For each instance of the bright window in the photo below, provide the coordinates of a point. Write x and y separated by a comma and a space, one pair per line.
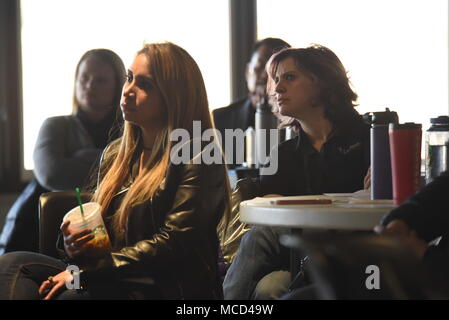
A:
56, 33
396, 51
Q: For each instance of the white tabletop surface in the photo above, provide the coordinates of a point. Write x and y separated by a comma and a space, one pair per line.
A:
347, 212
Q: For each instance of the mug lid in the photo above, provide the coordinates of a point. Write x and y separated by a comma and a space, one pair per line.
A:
75, 217
385, 117
407, 125
440, 120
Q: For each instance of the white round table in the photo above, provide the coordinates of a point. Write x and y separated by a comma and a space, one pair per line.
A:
340, 215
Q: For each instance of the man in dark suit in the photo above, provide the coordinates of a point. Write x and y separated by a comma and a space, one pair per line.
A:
241, 114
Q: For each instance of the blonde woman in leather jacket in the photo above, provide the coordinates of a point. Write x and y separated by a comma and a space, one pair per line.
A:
161, 217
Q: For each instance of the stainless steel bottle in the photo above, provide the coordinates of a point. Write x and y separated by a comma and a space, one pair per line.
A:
265, 120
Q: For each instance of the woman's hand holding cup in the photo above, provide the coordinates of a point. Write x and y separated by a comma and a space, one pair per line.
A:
74, 242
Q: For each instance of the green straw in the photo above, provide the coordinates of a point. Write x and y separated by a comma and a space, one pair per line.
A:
78, 197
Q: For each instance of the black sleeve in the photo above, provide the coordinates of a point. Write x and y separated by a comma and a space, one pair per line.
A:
436, 260
426, 212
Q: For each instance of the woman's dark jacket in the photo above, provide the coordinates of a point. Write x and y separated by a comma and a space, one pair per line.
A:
172, 237
339, 167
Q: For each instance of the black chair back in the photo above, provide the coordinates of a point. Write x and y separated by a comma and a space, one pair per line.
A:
52, 208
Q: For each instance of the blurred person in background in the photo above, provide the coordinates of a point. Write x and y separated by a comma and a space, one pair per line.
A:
241, 114
69, 147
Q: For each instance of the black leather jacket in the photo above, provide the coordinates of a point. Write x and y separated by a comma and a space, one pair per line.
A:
172, 237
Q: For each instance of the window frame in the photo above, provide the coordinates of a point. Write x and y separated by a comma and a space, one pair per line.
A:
12, 175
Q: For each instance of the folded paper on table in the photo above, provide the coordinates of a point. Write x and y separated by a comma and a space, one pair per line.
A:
361, 197
358, 194
292, 201
319, 199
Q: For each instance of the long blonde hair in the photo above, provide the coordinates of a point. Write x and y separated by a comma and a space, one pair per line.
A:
184, 99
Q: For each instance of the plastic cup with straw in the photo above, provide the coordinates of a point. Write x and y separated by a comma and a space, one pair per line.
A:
78, 197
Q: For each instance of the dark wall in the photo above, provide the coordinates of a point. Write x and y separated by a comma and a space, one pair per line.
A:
10, 97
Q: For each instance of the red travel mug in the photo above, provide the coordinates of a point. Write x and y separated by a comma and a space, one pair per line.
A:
405, 150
